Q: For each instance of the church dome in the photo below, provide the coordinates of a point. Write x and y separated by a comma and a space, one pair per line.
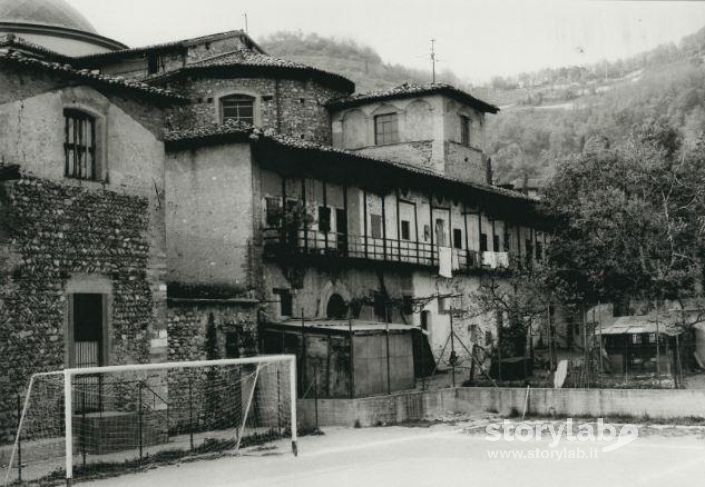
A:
55, 13
55, 25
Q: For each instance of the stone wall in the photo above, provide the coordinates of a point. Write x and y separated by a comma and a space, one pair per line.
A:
188, 322
291, 107
52, 234
466, 163
431, 405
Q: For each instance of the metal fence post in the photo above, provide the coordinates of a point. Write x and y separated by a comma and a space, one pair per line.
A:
190, 411
19, 439
315, 399
139, 418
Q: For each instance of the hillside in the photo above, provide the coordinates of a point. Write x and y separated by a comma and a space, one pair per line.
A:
548, 114
359, 63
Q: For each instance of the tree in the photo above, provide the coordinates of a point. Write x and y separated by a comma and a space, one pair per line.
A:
632, 219
520, 301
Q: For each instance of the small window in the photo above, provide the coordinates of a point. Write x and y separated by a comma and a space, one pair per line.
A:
425, 320
324, 214
153, 62
380, 306
457, 238
496, 243
273, 211
405, 230
286, 302
465, 130
80, 145
376, 224
652, 337
636, 339
386, 129
407, 305
238, 108
483, 242
232, 344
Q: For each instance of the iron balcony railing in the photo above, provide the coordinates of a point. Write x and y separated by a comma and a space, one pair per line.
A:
278, 243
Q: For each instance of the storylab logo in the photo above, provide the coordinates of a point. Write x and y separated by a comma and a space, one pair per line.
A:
566, 440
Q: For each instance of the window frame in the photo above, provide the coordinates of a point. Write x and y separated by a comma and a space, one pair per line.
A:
237, 98
465, 124
380, 227
457, 238
382, 135
405, 230
325, 219
76, 146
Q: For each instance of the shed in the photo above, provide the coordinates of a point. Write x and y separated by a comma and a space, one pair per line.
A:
344, 359
638, 345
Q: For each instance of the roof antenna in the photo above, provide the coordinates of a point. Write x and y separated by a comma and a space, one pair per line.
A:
433, 58
247, 30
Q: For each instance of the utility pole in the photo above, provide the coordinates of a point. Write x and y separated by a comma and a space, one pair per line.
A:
433, 58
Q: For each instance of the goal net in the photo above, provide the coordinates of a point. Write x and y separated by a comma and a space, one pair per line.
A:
91, 422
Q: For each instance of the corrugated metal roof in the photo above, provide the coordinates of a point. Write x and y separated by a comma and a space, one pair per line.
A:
633, 325
343, 326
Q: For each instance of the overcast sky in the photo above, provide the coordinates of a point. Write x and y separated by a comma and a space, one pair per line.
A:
477, 39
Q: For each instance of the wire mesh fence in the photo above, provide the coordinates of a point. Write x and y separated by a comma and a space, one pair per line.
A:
126, 420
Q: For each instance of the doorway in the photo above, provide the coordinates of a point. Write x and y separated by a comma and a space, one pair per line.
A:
87, 348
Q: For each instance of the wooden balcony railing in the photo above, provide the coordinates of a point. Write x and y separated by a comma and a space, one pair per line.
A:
280, 243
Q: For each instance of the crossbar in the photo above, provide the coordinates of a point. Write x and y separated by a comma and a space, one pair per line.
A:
181, 365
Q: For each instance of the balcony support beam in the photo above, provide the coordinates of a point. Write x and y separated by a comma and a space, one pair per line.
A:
364, 212
330, 215
467, 236
384, 226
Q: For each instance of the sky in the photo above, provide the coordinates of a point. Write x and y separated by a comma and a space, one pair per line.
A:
476, 39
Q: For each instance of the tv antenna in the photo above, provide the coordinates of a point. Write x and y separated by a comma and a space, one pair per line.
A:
433, 58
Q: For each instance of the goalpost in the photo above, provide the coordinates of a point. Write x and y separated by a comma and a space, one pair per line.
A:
106, 420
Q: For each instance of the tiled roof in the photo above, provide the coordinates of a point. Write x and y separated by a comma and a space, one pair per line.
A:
239, 133
250, 58
409, 90
10, 41
91, 77
246, 61
183, 43
205, 134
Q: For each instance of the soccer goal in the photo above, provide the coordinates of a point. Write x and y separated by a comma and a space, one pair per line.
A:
90, 422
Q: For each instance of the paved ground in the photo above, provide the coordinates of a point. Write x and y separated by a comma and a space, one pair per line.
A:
441, 455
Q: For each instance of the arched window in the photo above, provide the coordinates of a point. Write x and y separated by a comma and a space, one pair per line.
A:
80, 145
337, 308
238, 108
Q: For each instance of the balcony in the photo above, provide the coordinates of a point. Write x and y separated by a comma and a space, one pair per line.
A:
313, 243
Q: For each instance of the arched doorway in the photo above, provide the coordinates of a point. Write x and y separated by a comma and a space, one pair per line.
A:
337, 308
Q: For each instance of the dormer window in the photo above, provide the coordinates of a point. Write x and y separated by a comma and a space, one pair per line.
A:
465, 124
80, 145
238, 108
386, 129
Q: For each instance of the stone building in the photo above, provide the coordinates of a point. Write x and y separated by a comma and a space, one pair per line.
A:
82, 206
282, 193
